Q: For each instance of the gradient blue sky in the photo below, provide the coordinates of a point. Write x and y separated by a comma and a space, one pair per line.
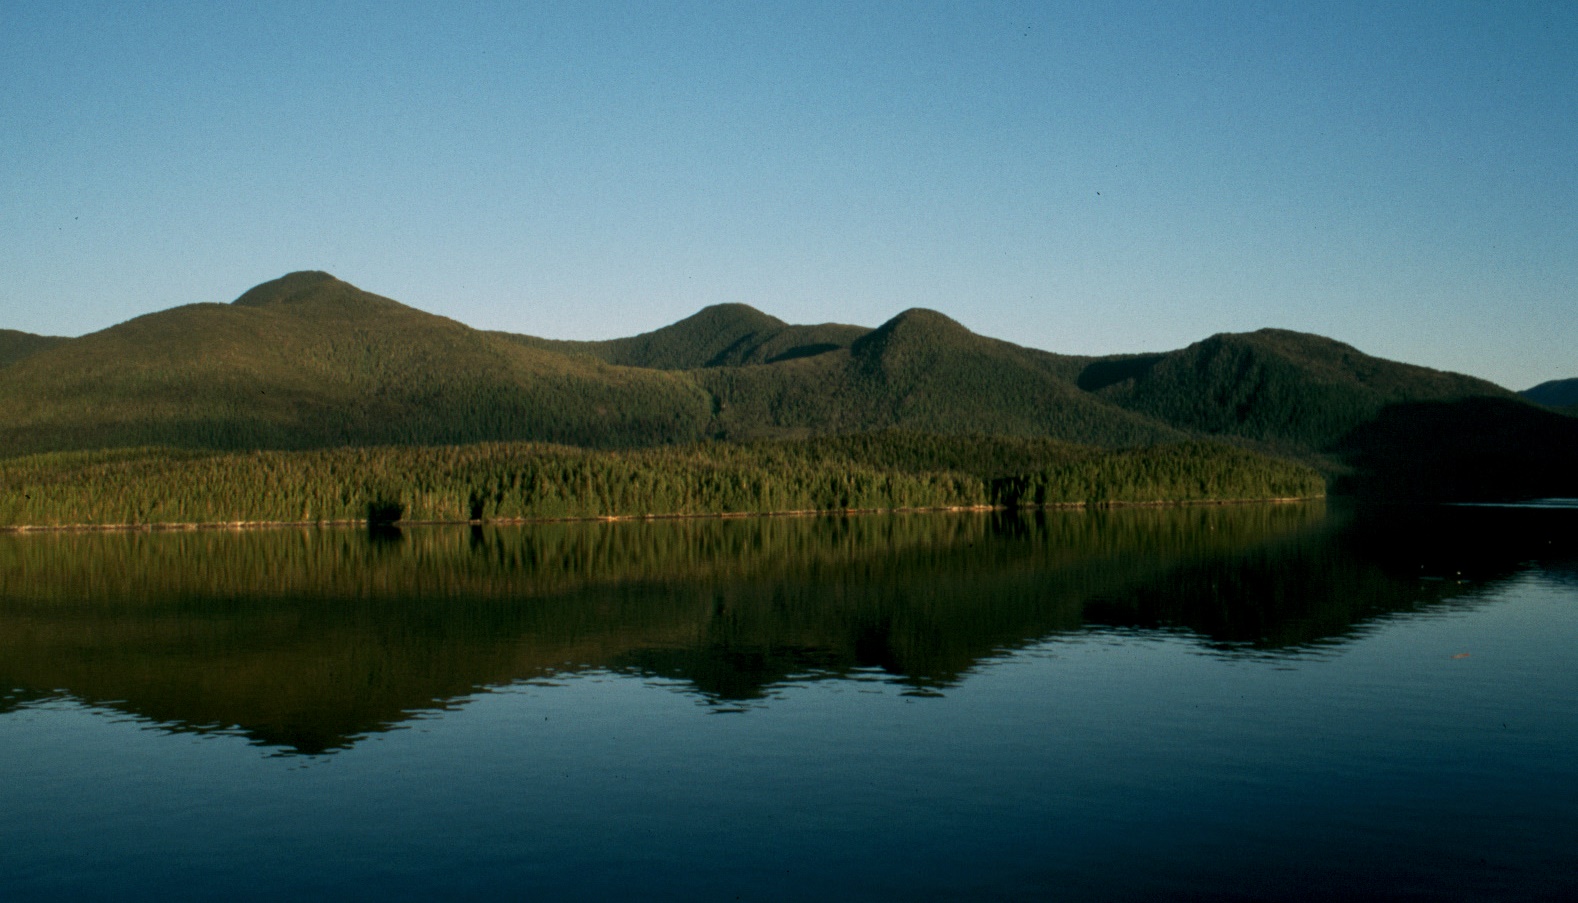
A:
1086, 178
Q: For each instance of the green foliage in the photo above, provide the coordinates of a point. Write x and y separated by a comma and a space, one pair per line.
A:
494, 481
1195, 471
984, 457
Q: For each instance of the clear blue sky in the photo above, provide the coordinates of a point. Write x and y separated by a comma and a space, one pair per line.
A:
1085, 178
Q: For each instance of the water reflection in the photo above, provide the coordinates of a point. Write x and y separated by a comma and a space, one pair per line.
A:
308, 640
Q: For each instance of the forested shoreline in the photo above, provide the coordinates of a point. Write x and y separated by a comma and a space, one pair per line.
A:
496, 482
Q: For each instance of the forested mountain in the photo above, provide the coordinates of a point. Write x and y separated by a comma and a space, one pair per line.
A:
1558, 393
308, 361
722, 335
1286, 388
923, 371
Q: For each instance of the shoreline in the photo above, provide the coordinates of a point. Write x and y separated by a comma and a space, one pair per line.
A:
241, 525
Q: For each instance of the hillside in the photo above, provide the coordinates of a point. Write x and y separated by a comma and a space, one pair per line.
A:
1471, 449
308, 361
1558, 393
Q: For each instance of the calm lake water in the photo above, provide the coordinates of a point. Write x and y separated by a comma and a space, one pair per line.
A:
1258, 702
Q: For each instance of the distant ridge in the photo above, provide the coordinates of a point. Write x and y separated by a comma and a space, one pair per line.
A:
1272, 385
707, 338
721, 335
14, 345
1557, 393
309, 361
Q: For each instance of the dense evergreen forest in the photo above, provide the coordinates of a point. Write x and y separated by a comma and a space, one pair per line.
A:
309, 363
502, 481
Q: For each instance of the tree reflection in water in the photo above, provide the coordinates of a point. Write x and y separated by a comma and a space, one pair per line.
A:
308, 640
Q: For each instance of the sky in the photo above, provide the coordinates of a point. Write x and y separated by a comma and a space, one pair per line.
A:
1080, 177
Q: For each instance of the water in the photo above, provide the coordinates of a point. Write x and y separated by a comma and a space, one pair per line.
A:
1280, 702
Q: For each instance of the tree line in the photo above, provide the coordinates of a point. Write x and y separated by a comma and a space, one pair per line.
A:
524, 480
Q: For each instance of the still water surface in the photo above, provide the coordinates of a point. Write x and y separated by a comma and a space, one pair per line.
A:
1279, 702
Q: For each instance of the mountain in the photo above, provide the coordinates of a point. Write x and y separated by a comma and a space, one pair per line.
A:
308, 361
718, 336
1288, 389
924, 371
1558, 393
1385, 429
921, 370
14, 346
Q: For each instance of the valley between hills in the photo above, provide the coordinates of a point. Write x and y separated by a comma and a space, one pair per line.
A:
309, 400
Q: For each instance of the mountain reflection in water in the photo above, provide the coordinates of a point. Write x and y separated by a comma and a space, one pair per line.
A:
309, 640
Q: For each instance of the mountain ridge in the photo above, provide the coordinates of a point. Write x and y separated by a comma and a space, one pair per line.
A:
1555, 393
309, 361
317, 363
718, 335
16, 345
1279, 385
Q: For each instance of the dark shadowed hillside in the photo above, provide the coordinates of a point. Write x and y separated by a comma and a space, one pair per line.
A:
1290, 390
1468, 450
1558, 393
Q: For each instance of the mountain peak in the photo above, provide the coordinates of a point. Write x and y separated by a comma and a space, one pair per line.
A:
287, 288
315, 293
917, 326
713, 335
1292, 341
923, 317
918, 322
731, 317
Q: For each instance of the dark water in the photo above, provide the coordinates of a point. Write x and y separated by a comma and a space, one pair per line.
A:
1280, 702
